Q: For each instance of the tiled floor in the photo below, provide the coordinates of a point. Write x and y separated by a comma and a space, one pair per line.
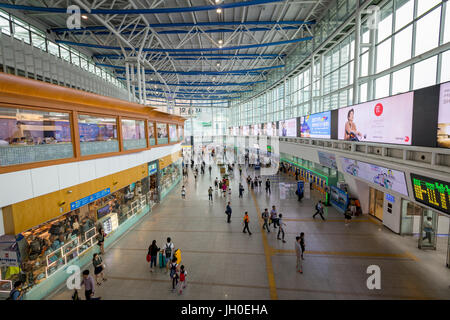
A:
224, 263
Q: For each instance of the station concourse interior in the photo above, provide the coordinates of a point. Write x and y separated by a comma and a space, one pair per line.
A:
128, 122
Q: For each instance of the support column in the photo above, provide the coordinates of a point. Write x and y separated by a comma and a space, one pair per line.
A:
144, 91
139, 82
311, 80
356, 61
127, 70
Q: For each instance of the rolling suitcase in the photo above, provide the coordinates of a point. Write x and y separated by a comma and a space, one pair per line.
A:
162, 260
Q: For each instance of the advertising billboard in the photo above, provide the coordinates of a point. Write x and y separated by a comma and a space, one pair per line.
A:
387, 178
327, 159
432, 192
443, 133
288, 128
316, 125
271, 128
386, 120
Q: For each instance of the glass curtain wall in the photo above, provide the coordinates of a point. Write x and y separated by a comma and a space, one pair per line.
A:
407, 29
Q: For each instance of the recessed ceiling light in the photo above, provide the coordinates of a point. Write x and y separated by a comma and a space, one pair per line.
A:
219, 10
84, 17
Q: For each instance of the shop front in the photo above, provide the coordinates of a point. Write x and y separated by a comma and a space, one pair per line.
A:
47, 250
153, 196
169, 174
376, 203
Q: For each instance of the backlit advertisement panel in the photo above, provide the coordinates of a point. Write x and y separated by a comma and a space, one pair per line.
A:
386, 120
288, 128
271, 128
443, 134
387, 178
316, 125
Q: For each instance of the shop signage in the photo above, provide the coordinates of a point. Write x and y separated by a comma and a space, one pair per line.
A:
432, 192
152, 168
390, 198
86, 200
8, 258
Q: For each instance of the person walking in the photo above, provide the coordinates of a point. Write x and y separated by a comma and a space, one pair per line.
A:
182, 283
99, 267
210, 168
228, 212
428, 229
281, 226
260, 182
229, 193
89, 286
246, 222
319, 210
265, 216
298, 254
240, 171
174, 273
273, 217
302, 243
183, 192
347, 217
268, 186
241, 190
224, 189
101, 239
216, 183
168, 252
210, 194
153, 253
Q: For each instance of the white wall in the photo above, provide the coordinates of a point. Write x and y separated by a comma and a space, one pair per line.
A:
2, 227
392, 220
27, 184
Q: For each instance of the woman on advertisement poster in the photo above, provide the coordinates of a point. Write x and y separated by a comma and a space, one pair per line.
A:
351, 133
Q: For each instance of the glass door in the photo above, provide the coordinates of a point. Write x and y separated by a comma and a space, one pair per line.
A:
428, 229
411, 215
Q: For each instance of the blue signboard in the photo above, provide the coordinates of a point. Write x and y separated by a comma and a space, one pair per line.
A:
390, 198
339, 199
82, 202
316, 125
152, 168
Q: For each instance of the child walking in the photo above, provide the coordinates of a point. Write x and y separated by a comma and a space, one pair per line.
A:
182, 283
183, 193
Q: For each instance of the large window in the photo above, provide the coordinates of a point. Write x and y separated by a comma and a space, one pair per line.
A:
163, 137
97, 134
151, 133
173, 132
33, 136
133, 133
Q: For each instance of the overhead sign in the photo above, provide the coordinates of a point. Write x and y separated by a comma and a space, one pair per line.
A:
386, 120
387, 178
432, 192
152, 168
86, 200
316, 125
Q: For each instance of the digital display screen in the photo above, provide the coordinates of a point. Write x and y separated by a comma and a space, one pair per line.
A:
288, 128
432, 192
103, 212
386, 120
316, 125
270, 129
387, 178
443, 134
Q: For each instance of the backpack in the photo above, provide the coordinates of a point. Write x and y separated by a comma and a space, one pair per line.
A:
168, 250
173, 270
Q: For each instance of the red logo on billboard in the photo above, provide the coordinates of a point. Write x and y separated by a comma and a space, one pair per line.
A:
378, 109
406, 139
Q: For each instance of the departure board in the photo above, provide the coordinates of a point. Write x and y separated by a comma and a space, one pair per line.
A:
432, 192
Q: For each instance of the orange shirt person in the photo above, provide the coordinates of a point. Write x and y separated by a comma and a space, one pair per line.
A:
351, 132
246, 222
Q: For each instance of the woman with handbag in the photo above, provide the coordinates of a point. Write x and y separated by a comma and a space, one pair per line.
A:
99, 268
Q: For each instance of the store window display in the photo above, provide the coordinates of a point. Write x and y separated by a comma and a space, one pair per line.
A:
163, 137
47, 247
133, 133
169, 176
173, 133
151, 133
97, 134
32, 136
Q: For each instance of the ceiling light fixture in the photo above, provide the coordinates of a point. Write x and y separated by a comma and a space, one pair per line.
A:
219, 10
218, 64
220, 41
84, 17
218, 1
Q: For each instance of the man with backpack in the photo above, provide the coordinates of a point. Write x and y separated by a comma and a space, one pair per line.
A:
265, 217
210, 194
17, 292
319, 210
168, 251
174, 273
